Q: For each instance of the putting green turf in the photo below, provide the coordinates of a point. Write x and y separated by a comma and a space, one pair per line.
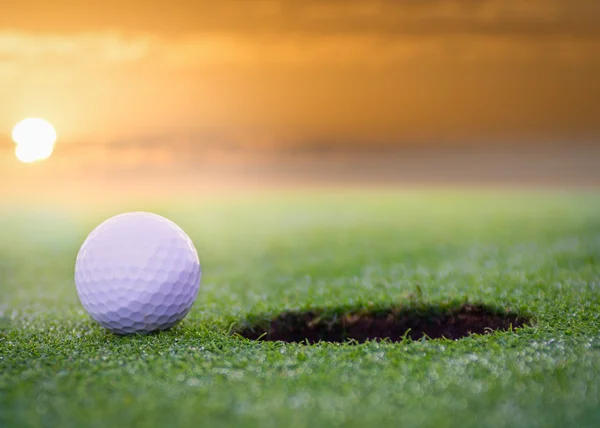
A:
530, 251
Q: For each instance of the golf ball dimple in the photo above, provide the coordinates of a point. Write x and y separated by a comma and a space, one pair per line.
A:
137, 272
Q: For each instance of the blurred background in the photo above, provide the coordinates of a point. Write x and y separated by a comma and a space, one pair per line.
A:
181, 96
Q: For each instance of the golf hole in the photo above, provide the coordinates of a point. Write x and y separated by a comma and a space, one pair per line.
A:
392, 324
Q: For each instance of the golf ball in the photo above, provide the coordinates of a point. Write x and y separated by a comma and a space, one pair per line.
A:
137, 272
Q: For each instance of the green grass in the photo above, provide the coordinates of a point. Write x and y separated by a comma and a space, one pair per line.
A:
530, 251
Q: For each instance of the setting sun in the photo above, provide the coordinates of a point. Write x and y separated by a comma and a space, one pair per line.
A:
35, 139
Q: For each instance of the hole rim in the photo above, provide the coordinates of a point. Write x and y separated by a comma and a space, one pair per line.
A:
321, 321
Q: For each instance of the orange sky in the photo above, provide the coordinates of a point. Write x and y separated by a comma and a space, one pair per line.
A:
273, 73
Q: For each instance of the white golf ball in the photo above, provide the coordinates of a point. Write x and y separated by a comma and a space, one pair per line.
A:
137, 272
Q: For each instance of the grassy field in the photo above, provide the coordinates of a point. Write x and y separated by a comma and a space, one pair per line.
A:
533, 252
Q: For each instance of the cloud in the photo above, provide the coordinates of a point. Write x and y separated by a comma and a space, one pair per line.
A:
391, 17
103, 47
269, 73
108, 86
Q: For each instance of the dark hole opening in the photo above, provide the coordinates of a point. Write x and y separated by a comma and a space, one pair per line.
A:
392, 324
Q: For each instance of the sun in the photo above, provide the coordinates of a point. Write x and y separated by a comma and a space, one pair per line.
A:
35, 138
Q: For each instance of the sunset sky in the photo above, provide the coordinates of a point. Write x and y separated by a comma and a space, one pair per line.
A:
281, 74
